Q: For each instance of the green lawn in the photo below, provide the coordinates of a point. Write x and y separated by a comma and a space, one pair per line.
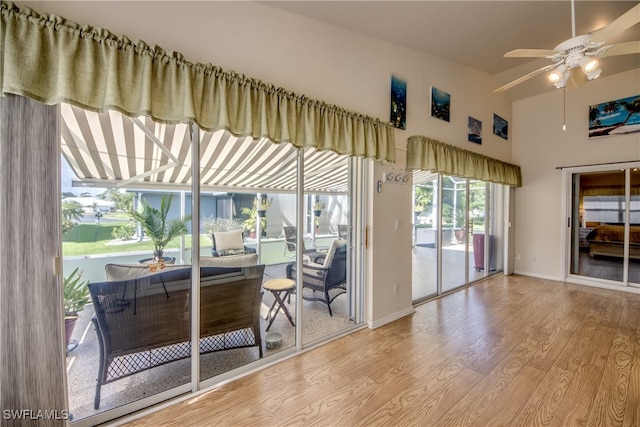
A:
92, 238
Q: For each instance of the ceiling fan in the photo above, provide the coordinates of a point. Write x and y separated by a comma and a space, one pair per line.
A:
581, 51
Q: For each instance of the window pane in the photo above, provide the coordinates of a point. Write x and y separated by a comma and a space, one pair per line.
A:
425, 260
454, 213
138, 318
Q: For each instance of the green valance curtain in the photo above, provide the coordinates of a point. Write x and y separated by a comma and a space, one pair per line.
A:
53, 60
424, 153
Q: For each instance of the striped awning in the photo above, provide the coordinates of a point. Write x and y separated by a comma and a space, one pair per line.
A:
110, 149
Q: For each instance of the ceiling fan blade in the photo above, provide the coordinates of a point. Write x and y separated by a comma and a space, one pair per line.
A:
626, 48
623, 22
530, 53
525, 77
577, 79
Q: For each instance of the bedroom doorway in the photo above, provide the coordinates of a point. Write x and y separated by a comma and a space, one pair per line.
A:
604, 225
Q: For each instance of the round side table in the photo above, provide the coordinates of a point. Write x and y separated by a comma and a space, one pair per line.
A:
280, 288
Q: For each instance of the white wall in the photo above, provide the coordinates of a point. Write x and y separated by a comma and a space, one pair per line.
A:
540, 146
330, 64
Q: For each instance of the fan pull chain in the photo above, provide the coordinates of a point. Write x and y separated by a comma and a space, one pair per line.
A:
564, 108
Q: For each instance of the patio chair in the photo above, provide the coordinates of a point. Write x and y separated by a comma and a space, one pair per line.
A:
290, 245
343, 231
228, 243
325, 281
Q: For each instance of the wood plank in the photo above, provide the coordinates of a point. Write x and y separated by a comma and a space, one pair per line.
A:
609, 406
424, 403
545, 399
632, 409
580, 396
512, 399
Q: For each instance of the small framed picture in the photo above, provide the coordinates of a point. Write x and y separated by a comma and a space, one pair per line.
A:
440, 104
398, 102
500, 127
475, 130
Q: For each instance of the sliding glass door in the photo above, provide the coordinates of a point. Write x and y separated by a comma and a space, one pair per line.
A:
458, 232
135, 321
604, 224
454, 251
425, 254
277, 264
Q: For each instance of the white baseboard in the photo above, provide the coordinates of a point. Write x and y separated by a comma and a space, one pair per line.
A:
390, 318
602, 285
539, 276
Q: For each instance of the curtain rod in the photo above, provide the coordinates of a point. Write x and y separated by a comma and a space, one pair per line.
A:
598, 164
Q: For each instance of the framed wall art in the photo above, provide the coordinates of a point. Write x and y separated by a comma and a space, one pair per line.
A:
500, 127
614, 117
440, 104
398, 102
475, 130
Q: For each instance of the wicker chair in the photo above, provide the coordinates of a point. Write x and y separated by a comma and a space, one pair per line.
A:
145, 321
324, 281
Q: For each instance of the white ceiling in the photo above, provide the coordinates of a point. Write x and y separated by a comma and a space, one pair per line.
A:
477, 33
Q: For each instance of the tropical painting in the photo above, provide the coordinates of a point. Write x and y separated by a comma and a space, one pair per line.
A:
440, 104
398, 102
475, 130
500, 127
615, 117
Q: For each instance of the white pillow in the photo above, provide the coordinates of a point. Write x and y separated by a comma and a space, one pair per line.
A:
226, 240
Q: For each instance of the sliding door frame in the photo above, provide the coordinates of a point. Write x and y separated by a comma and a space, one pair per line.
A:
568, 219
505, 228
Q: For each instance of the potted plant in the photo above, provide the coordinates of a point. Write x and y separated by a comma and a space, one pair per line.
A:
261, 205
318, 207
417, 210
160, 230
75, 296
258, 209
460, 231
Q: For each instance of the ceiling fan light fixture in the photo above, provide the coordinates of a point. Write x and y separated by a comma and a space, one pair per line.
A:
589, 65
557, 75
562, 82
594, 74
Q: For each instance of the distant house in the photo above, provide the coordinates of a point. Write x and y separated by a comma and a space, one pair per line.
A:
93, 204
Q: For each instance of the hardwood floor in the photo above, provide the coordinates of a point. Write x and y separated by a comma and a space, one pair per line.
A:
509, 351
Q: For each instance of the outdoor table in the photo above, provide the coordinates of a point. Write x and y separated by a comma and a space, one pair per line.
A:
277, 287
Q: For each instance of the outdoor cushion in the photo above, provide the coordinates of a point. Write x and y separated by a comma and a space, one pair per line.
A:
134, 271
230, 261
337, 244
228, 240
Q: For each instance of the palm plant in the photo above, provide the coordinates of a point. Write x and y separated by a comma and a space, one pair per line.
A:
71, 213
155, 224
76, 293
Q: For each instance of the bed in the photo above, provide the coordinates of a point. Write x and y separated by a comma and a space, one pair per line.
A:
608, 240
